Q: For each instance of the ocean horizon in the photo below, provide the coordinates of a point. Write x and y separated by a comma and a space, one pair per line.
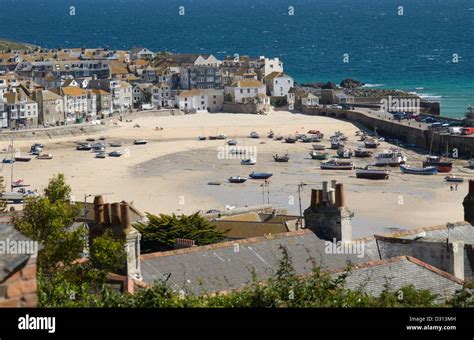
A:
427, 50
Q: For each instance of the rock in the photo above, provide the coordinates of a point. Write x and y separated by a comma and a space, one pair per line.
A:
350, 83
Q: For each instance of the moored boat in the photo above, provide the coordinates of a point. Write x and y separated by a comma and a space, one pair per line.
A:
45, 156
430, 170
202, 137
319, 155
452, 178
335, 164
248, 161
290, 140
84, 147
371, 143
392, 157
342, 152
221, 136
362, 153
260, 175
369, 173
101, 155
237, 179
116, 153
336, 143
140, 141
318, 147
22, 159
254, 134
471, 164
115, 145
232, 142
436, 162
284, 158
8, 161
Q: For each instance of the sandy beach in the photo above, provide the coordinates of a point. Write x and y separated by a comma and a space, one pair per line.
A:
171, 173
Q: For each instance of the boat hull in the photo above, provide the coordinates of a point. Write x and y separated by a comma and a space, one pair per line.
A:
260, 175
441, 166
417, 171
372, 174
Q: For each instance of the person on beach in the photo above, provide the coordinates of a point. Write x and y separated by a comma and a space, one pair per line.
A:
456, 187
451, 187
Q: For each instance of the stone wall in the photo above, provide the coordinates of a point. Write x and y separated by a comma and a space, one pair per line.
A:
20, 288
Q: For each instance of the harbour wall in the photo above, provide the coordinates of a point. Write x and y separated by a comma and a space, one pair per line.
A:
409, 134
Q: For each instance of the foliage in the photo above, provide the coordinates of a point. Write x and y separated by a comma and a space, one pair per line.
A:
228, 97
278, 101
160, 232
64, 279
3, 203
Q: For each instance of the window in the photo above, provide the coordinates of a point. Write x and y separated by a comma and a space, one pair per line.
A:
248, 90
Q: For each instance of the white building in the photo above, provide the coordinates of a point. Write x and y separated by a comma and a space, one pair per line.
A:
22, 111
192, 101
162, 96
278, 84
243, 90
271, 65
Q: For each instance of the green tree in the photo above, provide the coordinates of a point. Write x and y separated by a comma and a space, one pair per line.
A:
228, 97
3, 203
160, 232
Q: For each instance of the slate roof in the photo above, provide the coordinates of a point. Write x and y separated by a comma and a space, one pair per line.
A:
10, 262
219, 267
398, 272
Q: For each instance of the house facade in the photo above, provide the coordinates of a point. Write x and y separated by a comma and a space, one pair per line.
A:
50, 108
191, 101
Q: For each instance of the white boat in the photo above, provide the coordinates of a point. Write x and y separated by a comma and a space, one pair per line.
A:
140, 141
471, 163
248, 161
392, 157
254, 134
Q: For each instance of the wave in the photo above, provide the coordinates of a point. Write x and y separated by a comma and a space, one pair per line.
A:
374, 85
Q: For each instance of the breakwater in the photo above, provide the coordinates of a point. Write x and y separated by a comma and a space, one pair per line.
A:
415, 134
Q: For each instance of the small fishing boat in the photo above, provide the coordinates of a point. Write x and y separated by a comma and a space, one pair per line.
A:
214, 183
8, 161
101, 155
436, 161
212, 137
90, 140
221, 136
19, 184
115, 145
232, 142
362, 153
305, 139
202, 137
290, 140
45, 156
278, 137
140, 141
370, 143
84, 147
452, 178
22, 159
392, 157
342, 152
237, 179
248, 161
335, 164
370, 173
318, 147
430, 170
284, 158
260, 175
319, 155
98, 149
270, 134
254, 134
116, 153
336, 143
101, 138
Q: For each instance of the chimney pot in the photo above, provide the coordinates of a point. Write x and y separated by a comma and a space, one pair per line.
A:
116, 215
314, 198
325, 191
340, 195
107, 215
98, 210
125, 217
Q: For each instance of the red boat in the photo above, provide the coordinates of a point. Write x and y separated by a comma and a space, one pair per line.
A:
436, 162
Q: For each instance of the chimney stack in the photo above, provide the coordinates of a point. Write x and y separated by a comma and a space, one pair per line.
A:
325, 191
116, 218
125, 216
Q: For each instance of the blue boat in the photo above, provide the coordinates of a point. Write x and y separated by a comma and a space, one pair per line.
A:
429, 170
260, 175
8, 161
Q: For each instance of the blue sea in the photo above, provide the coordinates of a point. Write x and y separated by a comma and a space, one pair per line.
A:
428, 49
